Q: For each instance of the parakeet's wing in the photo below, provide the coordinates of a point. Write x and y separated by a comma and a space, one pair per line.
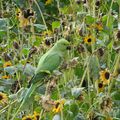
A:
50, 63
38, 77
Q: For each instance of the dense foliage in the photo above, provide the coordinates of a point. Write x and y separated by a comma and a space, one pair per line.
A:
86, 86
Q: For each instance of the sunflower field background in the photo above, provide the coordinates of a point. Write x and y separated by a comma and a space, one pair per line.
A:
86, 86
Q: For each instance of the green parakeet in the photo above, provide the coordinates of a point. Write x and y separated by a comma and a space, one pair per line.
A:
50, 60
47, 64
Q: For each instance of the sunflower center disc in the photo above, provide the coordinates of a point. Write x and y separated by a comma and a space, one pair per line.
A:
107, 75
89, 40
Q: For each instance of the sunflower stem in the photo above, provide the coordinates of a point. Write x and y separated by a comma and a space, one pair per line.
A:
35, 1
115, 68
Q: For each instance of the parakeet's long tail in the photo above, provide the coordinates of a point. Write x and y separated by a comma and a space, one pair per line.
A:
38, 77
28, 94
36, 81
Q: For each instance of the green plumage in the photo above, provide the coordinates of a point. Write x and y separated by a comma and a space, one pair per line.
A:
47, 64
50, 60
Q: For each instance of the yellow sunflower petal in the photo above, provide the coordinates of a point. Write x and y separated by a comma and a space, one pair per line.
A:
89, 40
48, 2
28, 117
7, 64
3, 98
58, 106
5, 77
36, 115
105, 76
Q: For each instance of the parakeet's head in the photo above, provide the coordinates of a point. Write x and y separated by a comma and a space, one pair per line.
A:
62, 44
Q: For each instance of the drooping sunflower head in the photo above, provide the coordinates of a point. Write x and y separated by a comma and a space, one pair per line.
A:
105, 76
3, 98
89, 40
58, 106
106, 104
28, 117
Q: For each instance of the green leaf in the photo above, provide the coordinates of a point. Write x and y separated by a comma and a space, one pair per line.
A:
3, 24
29, 69
118, 1
25, 51
55, 24
89, 19
38, 41
74, 109
10, 70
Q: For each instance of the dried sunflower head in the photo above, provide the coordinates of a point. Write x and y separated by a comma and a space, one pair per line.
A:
106, 104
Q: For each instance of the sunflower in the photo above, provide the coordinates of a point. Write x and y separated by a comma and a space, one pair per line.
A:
89, 40
28, 117
3, 98
58, 106
24, 17
36, 115
23, 22
5, 77
47, 2
100, 87
99, 26
47, 33
7, 64
105, 76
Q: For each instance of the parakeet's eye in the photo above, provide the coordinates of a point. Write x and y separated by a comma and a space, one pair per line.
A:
68, 47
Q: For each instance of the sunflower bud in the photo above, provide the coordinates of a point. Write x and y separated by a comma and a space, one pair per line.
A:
80, 48
15, 45
47, 42
101, 52
84, 1
78, 1
15, 87
32, 50
27, 13
118, 34
97, 3
6, 57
